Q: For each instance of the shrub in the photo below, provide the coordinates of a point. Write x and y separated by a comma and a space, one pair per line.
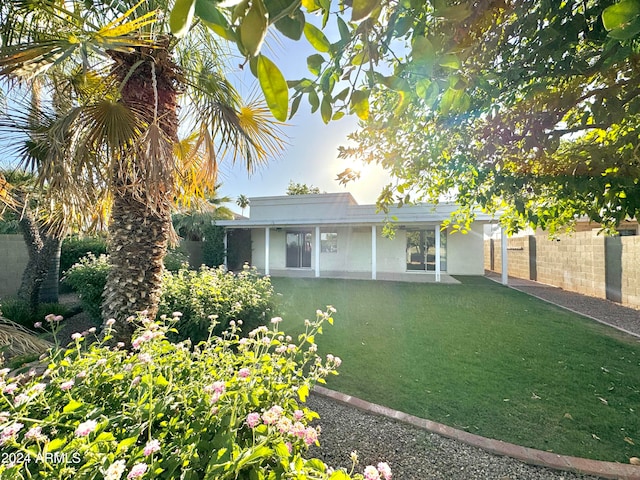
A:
231, 408
176, 259
75, 248
213, 245
88, 277
245, 296
19, 311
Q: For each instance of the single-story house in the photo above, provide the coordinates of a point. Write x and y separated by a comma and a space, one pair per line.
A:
330, 235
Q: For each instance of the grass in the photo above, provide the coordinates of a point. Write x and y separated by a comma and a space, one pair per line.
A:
482, 358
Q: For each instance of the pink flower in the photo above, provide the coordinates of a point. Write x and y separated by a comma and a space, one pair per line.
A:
38, 325
284, 425
244, 372
138, 470
76, 336
152, 446
253, 419
35, 434
310, 436
385, 470
65, 386
85, 428
20, 399
111, 322
276, 320
10, 388
371, 473
298, 430
298, 414
9, 432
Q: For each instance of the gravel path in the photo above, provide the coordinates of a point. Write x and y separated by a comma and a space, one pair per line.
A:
412, 453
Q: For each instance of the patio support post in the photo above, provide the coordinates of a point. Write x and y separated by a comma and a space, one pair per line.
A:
438, 252
317, 252
267, 241
225, 241
374, 248
504, 255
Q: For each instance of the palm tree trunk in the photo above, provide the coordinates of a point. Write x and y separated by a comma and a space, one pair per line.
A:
35, 270
140, 225
137, 245
49, 289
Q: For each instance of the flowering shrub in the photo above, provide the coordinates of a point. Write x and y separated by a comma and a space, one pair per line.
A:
229, 408
245, 296
88, 277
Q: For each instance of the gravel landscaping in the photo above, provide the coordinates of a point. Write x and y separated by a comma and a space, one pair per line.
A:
412, 453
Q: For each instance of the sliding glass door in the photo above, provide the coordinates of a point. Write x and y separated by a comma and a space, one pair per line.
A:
421, 250
299, 249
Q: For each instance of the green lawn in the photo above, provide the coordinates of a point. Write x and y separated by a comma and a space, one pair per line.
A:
480, 357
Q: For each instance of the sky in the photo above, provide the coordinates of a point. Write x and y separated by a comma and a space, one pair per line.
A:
311, 156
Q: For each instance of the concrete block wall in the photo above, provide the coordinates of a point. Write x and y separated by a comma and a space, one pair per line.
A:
575, 263
631, 271
13, 260
518, 255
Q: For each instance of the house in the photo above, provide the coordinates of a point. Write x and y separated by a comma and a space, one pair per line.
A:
330, 235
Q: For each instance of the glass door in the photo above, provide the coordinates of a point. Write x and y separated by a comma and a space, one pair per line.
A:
298, 249
421, 250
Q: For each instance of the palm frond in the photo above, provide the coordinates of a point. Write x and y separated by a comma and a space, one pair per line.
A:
17, 340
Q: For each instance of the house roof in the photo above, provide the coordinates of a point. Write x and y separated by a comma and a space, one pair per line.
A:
337, 209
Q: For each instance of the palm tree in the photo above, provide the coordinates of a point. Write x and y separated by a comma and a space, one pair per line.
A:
127, 139
242, 202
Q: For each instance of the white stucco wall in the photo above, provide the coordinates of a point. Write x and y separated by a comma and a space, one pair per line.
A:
466, 252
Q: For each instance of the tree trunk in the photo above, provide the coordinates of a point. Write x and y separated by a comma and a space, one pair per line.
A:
137, 246
42, 249
140, 224
49, 288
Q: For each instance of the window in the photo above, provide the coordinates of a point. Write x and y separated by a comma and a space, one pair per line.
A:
329, 242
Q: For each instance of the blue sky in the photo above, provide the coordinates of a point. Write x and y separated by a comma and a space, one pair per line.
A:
312, 154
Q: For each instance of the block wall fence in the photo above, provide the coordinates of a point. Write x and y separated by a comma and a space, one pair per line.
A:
583, 262
13, 260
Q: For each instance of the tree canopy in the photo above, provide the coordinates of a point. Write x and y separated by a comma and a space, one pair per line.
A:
295, 188
529, 107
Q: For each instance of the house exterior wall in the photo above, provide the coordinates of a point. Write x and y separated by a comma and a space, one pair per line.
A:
465, 252
631, 271
13, 260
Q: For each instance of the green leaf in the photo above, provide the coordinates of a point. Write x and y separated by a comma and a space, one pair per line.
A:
125, 444
292, 26
316, 38
623, 12
343, 28
627, 32
161, 381
314, 63
314, 101
274, 88
213, 19
253, 28
72, 406
361, 9
295, 104
303, 392
450, 60
423, 53
181, 17
339, 475
360, 103
56, 444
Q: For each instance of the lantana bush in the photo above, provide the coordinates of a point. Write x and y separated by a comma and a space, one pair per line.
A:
231, 407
